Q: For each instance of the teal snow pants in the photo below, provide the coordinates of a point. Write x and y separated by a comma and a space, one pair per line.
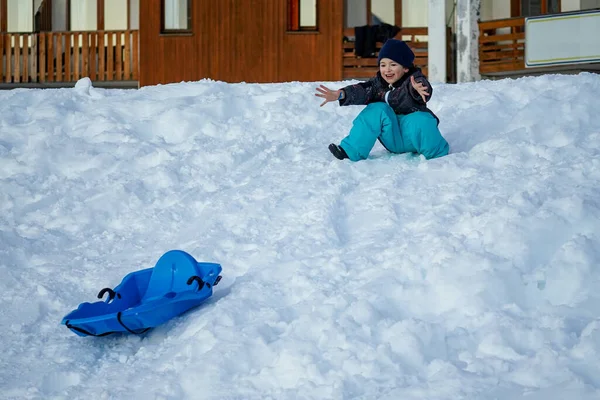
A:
411, 133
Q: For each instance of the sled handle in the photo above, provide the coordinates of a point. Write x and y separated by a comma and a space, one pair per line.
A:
197, 279
111, 294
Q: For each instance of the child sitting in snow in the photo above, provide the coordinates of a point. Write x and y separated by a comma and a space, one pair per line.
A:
396, 111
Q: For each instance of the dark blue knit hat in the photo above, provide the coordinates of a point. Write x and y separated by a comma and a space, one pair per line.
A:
397, 50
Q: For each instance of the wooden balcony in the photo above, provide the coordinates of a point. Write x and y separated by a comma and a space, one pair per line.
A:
65, 57
502, 52
502, 46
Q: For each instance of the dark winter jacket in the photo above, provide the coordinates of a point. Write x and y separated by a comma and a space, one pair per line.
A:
403, 98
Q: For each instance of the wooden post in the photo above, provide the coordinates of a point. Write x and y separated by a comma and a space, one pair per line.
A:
515, 8
68, 14
100, 14
3, 15
49, 13
398, 13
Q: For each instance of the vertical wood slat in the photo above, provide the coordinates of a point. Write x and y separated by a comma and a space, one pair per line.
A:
8, 50
59, 57
50, 54
513, 29
42, 57
110, 61
101, 55
118, 58
17, 57
85, 55
26, 49
68, 52
34, 59
1, 57
127, 56
93, 53
76, 56
135, 64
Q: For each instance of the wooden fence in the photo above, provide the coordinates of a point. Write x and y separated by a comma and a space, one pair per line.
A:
502, 45
69, 56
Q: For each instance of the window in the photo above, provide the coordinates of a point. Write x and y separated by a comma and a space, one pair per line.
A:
532, 8
176, 16
83, 15
19, 16
115, 15
302, 15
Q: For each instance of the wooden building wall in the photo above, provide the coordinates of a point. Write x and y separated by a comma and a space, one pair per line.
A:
241, 40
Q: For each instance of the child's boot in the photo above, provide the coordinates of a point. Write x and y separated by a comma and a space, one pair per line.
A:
337, 151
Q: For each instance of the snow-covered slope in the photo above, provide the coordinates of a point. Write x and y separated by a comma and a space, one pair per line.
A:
473, 276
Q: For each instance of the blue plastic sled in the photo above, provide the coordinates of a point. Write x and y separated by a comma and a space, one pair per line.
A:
147, 298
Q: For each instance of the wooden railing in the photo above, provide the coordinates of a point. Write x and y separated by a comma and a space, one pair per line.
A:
355, 67
502, 45
69, 56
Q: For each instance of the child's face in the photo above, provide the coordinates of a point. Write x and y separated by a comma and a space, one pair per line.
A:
391, 70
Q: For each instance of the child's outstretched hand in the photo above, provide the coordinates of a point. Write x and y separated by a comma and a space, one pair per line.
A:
420, 88
327, 94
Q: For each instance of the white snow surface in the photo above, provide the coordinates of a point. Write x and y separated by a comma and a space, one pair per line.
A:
472, 276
